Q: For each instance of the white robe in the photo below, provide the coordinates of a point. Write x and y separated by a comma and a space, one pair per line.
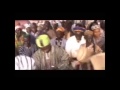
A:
23, 62
72, 46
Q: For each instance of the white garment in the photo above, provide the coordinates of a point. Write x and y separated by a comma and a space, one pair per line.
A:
72, 46
23, 62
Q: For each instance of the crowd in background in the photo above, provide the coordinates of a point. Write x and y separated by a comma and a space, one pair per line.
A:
60, 45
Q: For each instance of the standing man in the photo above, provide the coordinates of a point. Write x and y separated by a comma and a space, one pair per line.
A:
59, 40
34, 30
74, 42
48, 29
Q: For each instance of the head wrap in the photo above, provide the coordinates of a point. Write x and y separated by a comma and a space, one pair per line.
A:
88, 32
61, 29
79, 28
43, 40
95, 27
17, 27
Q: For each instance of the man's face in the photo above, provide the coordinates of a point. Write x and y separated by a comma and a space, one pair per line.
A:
78, 33
18, 31
27, 40
96, 32
59, 34
46, 49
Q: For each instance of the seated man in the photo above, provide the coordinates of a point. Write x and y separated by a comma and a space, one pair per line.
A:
49, 57
59, 40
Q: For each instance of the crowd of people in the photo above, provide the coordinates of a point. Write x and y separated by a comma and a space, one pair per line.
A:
60, 45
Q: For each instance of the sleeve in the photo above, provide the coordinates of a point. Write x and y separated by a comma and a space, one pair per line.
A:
64, 62
37, 60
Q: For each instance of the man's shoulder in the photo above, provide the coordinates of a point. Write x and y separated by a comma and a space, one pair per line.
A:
37, 52
71, 38
53, 39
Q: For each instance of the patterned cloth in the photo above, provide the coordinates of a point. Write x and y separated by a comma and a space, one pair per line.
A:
58, 59
60, 43
28, 51
100, 41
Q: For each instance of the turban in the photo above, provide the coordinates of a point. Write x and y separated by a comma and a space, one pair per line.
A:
42, 40
17, 27
88, 32
95, 27
79, 28
60, 29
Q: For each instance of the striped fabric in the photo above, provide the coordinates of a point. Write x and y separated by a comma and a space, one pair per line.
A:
23, 62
